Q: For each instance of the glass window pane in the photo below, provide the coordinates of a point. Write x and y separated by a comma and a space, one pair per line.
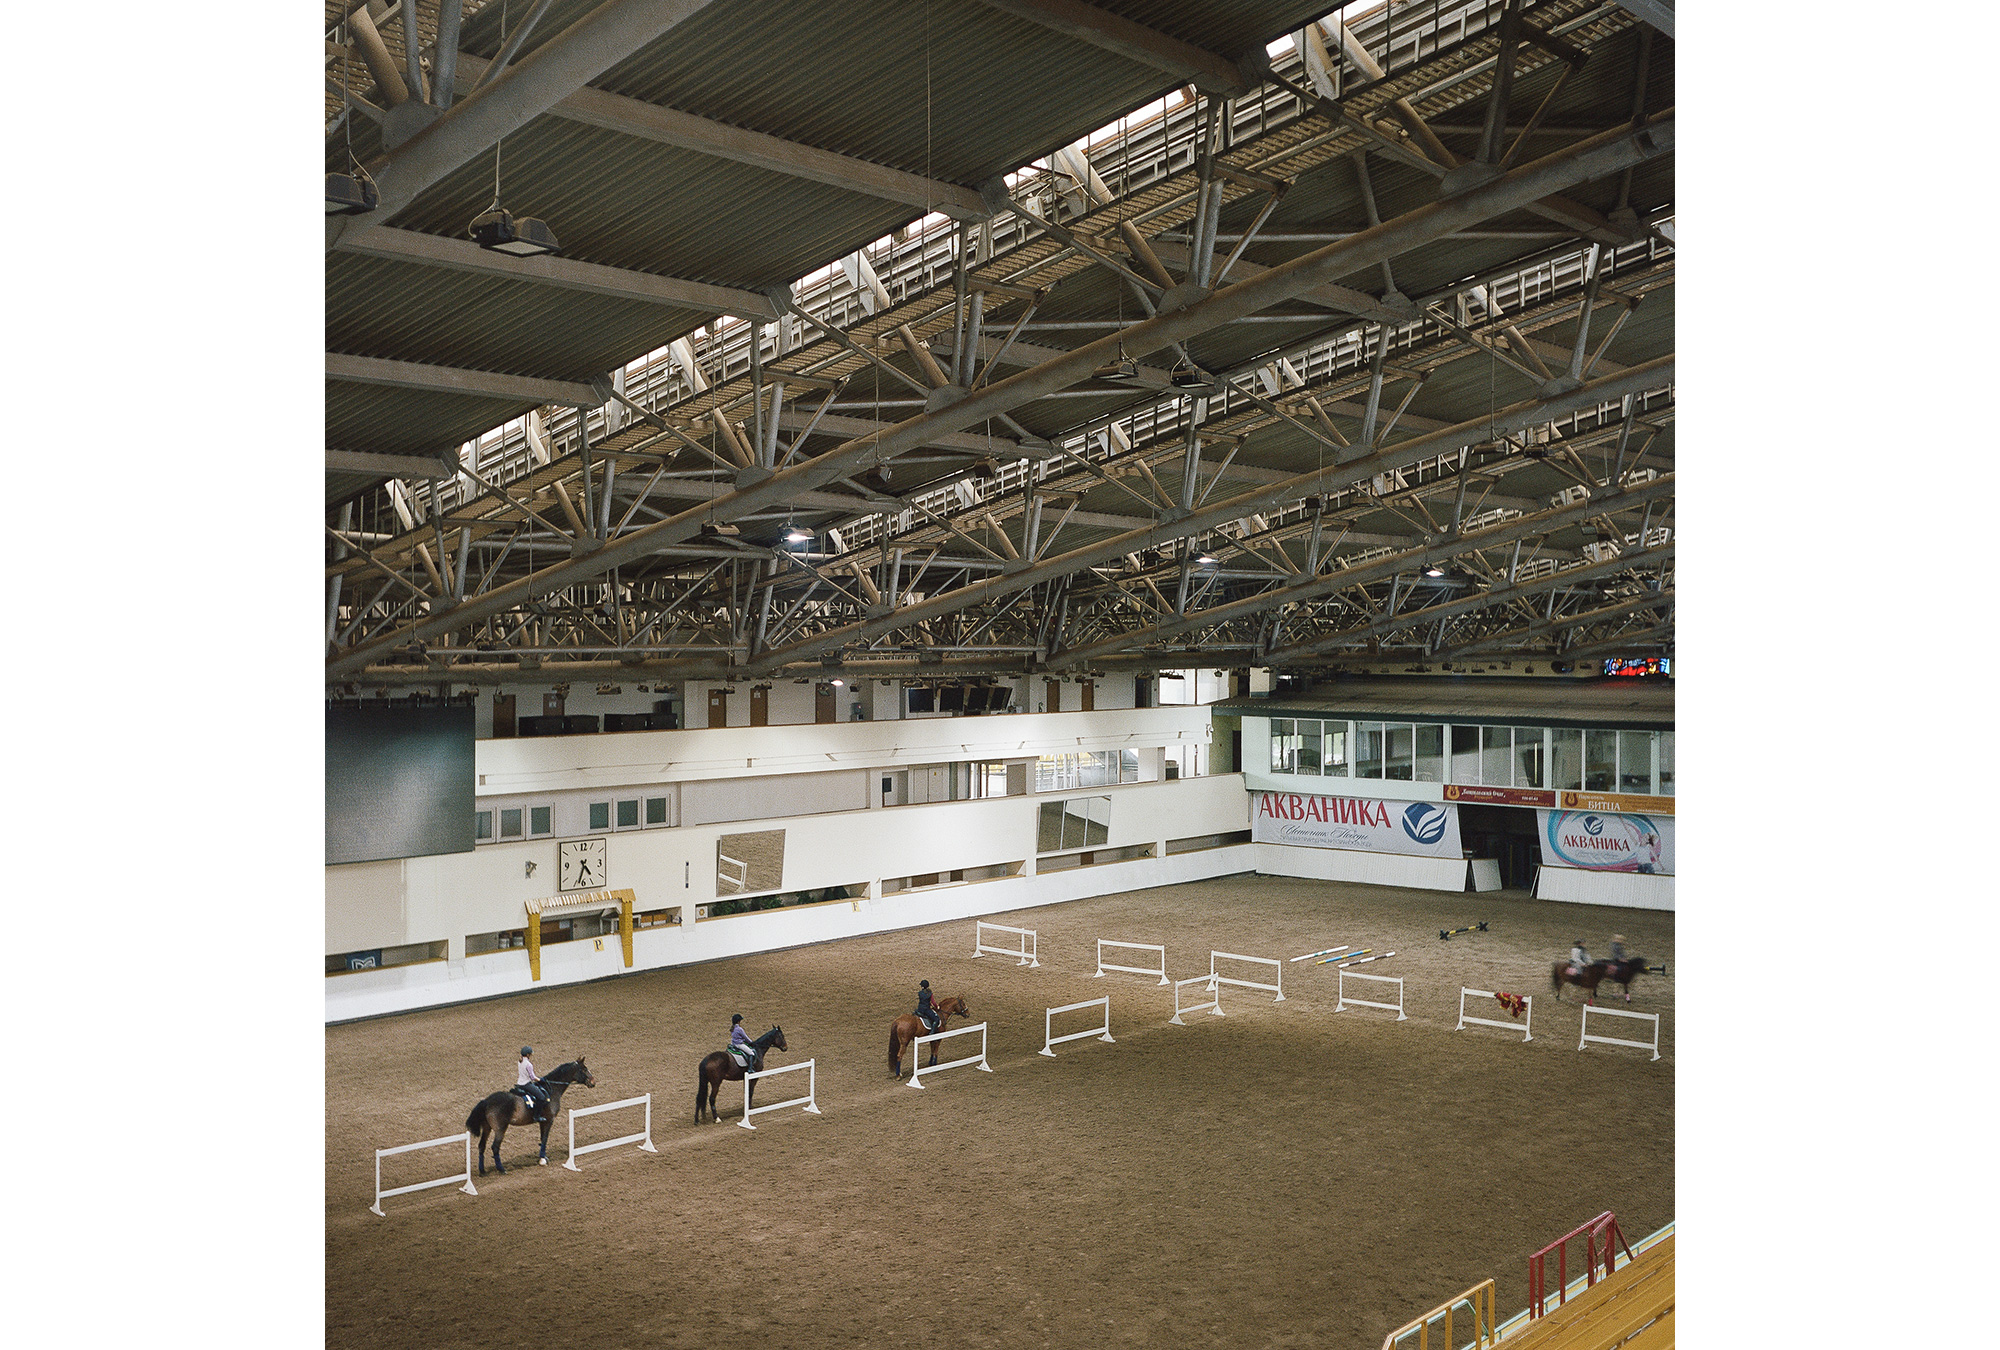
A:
1402, 752
1666, 784
1528, 751
1635, 762
1128, 766
600, 815
1567, 758
539, 820
1309, 747
1495, 756
1600, 761
628, 814
510, 822
482, 825
1048, 828
1465, 755
656, 810
1368, 759
1334, 749
1281, 731
1430, 753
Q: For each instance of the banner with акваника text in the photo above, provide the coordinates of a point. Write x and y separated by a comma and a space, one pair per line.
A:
1603, 841
1425, 829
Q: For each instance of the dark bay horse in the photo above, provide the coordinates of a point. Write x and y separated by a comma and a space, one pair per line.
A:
720, 1067
1621, 973
494, 1114
909, 1026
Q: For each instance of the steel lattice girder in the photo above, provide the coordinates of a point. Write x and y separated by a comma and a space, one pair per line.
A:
1596, 157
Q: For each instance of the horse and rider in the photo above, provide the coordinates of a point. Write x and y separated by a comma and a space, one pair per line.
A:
929, 1019
533, 1099
744, 1056
1587, 974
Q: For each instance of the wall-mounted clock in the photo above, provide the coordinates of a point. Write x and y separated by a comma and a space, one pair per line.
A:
584, 864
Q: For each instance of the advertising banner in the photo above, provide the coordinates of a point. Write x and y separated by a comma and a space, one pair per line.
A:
1604, 841
1499, 796
1425, 829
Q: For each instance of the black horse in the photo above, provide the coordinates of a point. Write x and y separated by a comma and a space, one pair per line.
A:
495, 1113
720, 1067
1621, 973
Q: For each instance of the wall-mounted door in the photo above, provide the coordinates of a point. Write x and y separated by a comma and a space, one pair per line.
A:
760, 705
552, 705
823, 702
718, 707
1089, 692
1054, 695
503, 715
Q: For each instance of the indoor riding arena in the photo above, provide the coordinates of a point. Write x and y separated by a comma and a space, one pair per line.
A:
1284, 1174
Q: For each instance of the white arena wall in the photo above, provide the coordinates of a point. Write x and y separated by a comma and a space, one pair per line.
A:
416, 900
1633, 890
1379, 869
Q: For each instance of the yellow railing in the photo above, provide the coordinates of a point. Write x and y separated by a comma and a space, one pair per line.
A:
1478, 1300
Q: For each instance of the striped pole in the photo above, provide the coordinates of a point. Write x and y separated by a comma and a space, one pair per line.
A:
1358, 951
1325, 951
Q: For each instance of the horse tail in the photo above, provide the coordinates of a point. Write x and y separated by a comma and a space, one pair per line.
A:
475, 1121
892, 1044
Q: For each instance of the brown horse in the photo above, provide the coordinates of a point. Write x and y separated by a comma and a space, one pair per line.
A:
720, 1067
909, 1026
495, 1113
1621, 973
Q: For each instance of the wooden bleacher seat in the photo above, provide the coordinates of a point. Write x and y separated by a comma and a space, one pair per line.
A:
1633, 1307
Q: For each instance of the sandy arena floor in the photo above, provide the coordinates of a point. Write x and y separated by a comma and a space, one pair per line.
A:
1279, 1176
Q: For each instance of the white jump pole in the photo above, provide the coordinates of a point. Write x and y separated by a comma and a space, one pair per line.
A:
810, 1101
917, 1046
464, 1176
1214, 1004
1524, 1026
1277, 967
1159, 970
1024, 946
1654, 1018
644, 1139
1102, 1033
1342, 1000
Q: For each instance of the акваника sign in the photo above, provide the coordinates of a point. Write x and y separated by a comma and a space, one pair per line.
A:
1603, 841
1368, 824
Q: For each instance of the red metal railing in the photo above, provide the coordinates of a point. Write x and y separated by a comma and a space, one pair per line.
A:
1604, 1229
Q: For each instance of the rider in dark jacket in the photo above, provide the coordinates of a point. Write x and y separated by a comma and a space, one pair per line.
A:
927, 1013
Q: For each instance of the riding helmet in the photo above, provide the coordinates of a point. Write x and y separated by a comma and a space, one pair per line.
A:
526, 1051
734, 1018
923, 984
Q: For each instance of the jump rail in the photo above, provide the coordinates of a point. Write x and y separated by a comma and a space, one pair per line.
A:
1160, 970
1214, 1004
1654, 1018
1342, 1000
917, 1048
810, 1101
1523, 1026
644, 1139
1102, 1033
464, 1176
1477, 1300
741, 880
1024, 948
1276, 965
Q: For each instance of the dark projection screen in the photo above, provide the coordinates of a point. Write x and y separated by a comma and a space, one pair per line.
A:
399, 782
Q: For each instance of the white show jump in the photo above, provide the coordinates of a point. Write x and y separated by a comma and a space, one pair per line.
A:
1214, 1004
1277, 971
644, 1139
1341, 1002
1654, 1018
741, 880
1159, 970
1024, 943
464, 1175
917, 1048
810, 1101
1103, 1032
1522, 1026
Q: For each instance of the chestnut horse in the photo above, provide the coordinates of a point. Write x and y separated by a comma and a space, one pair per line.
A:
720, 1067
495, 1113
909, 1026
1621, 973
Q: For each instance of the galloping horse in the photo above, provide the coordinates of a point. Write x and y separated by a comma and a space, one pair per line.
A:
720, 1067
909, 1026
1621, 973
495, 1113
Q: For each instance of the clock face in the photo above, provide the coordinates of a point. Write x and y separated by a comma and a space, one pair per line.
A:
584, 864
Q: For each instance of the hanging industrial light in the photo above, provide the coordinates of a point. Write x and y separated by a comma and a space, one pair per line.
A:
351, 194
517, 236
